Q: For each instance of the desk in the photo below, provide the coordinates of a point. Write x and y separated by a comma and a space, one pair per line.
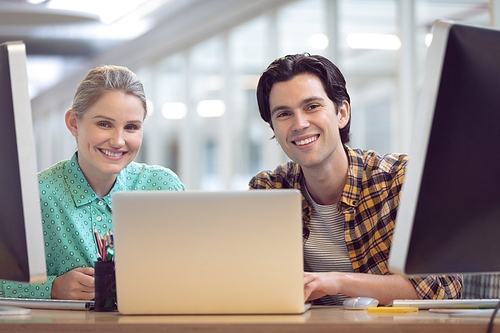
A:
324, 319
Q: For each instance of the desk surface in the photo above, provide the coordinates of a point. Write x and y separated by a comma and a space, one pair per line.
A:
324, 319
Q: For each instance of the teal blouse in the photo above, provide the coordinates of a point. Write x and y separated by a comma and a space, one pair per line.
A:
71, 210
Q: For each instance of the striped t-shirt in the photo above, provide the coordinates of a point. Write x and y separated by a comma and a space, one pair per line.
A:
325, 250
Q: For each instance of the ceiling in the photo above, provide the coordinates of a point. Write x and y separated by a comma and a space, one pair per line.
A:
65, 28
62, 36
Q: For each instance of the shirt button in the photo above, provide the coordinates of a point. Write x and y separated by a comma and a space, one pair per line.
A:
98, 219
100, 203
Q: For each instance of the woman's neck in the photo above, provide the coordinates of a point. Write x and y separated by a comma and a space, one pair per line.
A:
99, 182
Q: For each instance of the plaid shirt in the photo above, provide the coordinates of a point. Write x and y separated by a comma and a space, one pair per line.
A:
369, 203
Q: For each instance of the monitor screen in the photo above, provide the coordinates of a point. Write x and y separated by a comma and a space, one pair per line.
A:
449, 215
22, 253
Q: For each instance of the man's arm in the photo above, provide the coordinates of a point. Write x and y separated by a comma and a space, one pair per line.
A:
385, 288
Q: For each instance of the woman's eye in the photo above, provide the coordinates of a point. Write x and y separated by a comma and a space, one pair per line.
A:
282, 114
102, 124
131, 127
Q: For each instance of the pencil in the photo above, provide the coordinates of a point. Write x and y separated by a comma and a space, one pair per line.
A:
98, 245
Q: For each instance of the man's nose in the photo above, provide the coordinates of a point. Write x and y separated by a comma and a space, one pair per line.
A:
300, 121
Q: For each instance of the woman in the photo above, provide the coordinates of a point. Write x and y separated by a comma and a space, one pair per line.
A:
106, 119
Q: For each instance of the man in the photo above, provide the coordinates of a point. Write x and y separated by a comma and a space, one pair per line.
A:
350, 196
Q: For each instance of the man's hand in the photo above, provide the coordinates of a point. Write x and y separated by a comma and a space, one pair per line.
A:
77, 284
317, 285
385, 288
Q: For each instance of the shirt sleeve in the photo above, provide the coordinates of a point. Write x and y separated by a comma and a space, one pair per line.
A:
152, 178
23, 290
284, 176
260, 181
438, 287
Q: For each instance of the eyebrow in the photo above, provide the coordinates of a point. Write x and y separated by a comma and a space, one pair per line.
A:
278, 108
111, 119
307, 100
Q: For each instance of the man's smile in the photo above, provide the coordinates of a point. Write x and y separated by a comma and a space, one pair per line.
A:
305, 141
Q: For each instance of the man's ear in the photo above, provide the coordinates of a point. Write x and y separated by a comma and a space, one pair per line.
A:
71, 122
343, 114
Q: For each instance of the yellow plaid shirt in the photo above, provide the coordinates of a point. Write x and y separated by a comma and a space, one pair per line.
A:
369, 203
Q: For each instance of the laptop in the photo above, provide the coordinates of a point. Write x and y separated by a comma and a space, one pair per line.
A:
208, 252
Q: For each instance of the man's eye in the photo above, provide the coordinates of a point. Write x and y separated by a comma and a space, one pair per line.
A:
131, 127
312, 107
282, 114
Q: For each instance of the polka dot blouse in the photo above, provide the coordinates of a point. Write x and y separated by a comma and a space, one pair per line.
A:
71, 210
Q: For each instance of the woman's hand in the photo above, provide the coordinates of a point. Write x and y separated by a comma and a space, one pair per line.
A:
77, 284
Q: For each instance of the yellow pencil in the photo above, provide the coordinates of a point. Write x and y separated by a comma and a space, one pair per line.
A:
396, 309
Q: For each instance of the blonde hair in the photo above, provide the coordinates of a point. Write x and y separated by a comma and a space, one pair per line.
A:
102, 80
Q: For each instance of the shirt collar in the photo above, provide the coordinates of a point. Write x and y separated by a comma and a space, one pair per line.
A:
350, 194
80, 190
352, 189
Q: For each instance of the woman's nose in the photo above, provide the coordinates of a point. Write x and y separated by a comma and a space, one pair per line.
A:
117, 140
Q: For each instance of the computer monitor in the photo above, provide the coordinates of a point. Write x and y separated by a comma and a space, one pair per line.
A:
22, 252
448, 221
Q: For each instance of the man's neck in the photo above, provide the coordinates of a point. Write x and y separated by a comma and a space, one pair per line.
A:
326, 183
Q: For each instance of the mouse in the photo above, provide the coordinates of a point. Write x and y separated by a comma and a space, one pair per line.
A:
360, 303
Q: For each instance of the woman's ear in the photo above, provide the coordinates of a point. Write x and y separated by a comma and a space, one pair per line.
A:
343, 114
71, 122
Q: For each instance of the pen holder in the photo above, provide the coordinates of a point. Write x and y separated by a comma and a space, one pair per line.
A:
105, 286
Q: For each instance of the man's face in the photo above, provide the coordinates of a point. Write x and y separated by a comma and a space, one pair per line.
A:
305, 121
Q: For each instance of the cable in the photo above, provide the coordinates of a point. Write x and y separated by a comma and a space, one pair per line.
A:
492, 320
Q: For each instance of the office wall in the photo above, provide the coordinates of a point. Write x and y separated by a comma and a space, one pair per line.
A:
223, 152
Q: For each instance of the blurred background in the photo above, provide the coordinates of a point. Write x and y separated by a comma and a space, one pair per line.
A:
200, 61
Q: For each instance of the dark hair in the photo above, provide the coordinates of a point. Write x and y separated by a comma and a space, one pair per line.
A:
286, 68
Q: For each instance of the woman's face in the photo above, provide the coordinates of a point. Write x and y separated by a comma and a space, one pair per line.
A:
109, 135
